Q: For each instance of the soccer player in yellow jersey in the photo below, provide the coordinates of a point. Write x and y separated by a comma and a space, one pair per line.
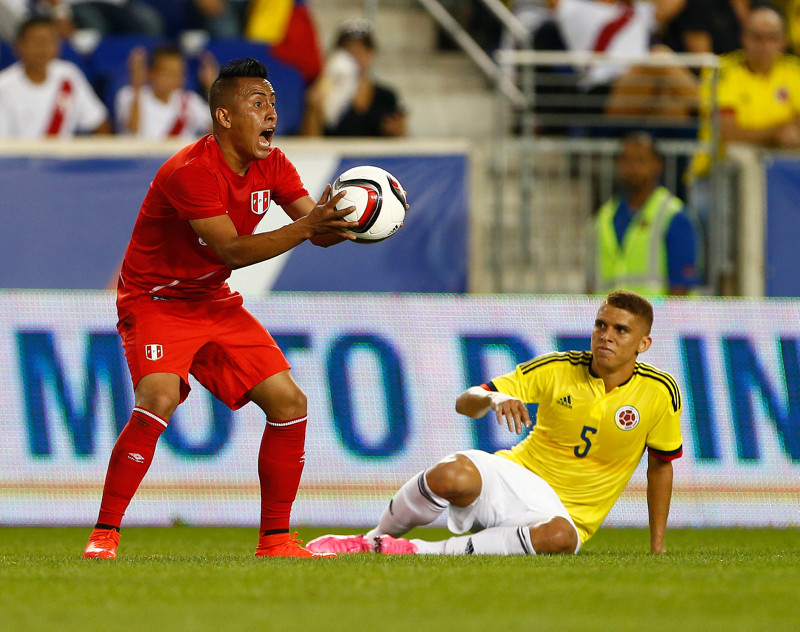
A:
598, 412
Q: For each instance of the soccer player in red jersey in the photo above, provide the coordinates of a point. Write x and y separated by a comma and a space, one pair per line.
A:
178, 316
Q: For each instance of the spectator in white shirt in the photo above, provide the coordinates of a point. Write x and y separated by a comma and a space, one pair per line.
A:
156, 105
625, 28
42, 96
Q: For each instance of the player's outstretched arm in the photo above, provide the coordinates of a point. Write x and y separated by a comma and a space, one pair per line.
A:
237, 251
476, 401
659, 493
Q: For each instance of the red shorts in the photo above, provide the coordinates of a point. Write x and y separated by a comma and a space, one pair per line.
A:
216, 340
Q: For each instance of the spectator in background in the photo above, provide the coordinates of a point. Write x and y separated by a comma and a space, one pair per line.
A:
643, 240
347, 100
758, 92
758, 96
625, 29
601, 26
759, 86
155, 104
707, 26
668, 92
117, 16
41, 95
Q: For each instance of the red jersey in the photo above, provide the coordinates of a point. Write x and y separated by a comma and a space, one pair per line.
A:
165, 256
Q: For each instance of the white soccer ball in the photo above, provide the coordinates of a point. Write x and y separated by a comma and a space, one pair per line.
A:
379, 199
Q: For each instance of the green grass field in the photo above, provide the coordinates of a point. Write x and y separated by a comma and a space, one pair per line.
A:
185, 578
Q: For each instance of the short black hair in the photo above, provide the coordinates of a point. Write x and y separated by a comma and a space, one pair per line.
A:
164, 50
31, 22
243, 67
634, 303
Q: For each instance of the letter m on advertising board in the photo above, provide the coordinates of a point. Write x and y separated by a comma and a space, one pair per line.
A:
48, 399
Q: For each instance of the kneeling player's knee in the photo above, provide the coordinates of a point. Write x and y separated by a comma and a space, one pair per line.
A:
455, 479
556, 536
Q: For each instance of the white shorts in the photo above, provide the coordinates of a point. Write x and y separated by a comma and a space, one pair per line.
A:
511, 496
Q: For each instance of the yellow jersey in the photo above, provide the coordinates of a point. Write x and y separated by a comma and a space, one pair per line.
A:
586, 443
759, 101
755, 101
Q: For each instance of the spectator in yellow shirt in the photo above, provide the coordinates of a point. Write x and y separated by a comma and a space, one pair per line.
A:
759, 86
758, 94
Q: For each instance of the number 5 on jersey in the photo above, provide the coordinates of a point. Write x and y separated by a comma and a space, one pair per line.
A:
582, 451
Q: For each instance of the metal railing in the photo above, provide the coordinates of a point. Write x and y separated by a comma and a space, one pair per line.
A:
553, 160
482, 60
557, 130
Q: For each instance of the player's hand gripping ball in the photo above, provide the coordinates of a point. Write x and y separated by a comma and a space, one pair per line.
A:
379, 199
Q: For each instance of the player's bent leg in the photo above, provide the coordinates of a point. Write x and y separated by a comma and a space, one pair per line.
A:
453, 480
491, 541
556, 535
456, 479
522, 514
157, 396
421, 500
280, 462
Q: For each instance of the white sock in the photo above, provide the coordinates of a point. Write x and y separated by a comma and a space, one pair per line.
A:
492, 541
413, 505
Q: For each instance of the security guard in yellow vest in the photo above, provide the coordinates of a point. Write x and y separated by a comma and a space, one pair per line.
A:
643, 240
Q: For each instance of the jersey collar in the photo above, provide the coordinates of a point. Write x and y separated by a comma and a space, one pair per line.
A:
594, 375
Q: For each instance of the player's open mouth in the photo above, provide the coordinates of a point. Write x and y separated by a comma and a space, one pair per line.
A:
265, 137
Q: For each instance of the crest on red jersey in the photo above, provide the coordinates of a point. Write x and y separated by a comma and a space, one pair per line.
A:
153, 352
259, 201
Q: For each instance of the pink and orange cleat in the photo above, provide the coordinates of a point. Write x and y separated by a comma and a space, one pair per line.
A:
340, 544
285, 545
384, 544
102, 544
388, 545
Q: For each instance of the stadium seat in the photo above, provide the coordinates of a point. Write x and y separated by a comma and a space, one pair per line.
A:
287, 81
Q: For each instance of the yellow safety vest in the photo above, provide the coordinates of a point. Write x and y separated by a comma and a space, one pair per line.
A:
639, 263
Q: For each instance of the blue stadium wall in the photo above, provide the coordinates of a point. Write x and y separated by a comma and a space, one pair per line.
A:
68, 220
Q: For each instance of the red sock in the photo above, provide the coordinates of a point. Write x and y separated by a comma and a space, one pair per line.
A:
280, 465
130, 459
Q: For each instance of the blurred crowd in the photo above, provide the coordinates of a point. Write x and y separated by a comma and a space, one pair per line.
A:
143, 68
644, 236
758, 85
